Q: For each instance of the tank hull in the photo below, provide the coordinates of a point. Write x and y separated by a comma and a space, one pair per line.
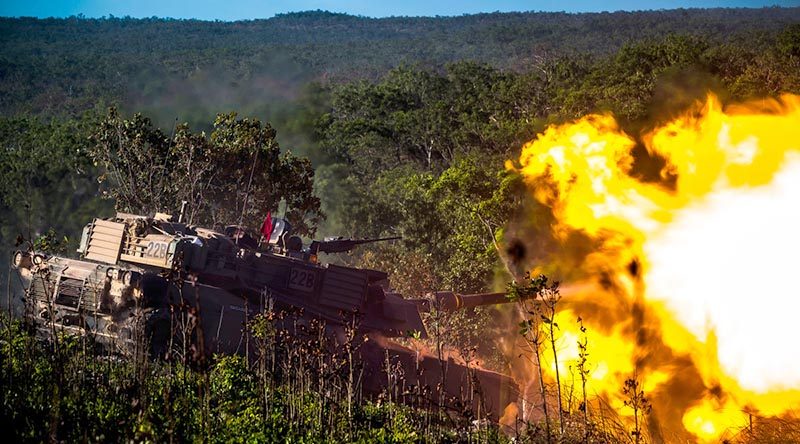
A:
126, 310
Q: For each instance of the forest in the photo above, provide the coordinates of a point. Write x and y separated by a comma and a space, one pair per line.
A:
361, 128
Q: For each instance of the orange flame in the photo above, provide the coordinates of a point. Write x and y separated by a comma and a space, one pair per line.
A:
692, 278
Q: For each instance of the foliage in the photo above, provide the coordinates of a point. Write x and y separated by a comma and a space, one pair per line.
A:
453, 219
235, 176
192, 69
51, 243
419, 117
66, 391
46, 179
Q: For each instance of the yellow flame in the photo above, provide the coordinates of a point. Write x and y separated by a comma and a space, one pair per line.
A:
708, 420
695, 272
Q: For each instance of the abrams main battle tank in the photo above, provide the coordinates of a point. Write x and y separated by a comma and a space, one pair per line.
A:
140, 278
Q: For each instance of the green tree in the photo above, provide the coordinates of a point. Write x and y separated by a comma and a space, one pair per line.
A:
234, 176
625, 82
428, 120
46, 178
455, 219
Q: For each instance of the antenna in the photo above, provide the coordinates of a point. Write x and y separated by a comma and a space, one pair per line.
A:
169, 147
247, 191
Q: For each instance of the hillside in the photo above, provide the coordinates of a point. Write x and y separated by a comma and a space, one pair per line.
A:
192, 69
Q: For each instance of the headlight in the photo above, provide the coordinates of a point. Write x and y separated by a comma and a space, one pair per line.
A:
17, 259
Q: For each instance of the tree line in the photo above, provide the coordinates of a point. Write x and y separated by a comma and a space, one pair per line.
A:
191, 69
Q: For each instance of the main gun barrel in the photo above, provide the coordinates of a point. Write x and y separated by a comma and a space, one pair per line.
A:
450, 301
343, 245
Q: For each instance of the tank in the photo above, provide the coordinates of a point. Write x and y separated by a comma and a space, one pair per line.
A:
139, 277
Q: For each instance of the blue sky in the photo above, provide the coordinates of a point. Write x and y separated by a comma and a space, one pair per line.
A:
251, 9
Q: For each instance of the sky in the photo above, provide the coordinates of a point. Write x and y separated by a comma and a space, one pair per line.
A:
255, 9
